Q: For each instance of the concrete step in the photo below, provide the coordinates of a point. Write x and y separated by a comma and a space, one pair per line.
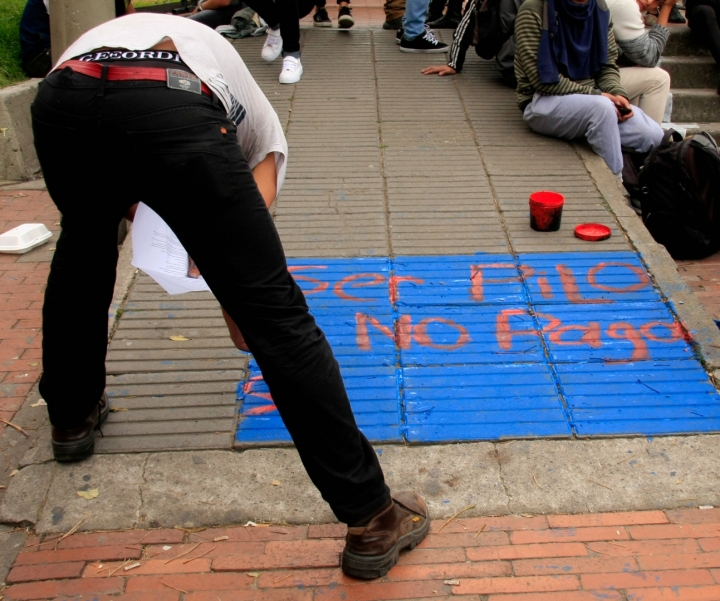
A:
682, 43
712, 128
692, 71
694, 105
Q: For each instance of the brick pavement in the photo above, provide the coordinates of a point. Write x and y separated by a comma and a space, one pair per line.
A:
22, 281
630, 556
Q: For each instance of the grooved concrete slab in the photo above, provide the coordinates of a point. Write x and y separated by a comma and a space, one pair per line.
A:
166, 394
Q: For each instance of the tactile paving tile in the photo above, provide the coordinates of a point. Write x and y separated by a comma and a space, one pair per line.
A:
165, 394
489, 347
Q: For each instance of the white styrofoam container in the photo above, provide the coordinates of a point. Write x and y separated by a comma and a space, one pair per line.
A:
23, 238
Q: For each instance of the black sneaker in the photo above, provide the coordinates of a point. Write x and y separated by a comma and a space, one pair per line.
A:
321, 18
423, 43
675, 16
345, 18
400, 31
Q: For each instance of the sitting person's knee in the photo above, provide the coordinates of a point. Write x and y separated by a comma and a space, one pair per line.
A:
702, 13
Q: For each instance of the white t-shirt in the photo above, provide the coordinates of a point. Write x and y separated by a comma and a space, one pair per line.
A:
627, 19
214, 60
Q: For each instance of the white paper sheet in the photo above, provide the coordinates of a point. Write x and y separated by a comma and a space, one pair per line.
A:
158, 252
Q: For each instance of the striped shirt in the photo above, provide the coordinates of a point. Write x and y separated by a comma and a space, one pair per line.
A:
528, 27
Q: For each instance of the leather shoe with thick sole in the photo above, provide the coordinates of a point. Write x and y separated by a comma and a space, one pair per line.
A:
370, 551
78, 443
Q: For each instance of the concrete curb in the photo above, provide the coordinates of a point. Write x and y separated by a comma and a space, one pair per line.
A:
18, 160
209, 488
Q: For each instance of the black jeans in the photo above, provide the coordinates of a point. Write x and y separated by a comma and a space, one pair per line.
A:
286, 15
703, 17
103, 145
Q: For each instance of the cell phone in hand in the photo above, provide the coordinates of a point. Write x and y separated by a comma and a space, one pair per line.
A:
624, 110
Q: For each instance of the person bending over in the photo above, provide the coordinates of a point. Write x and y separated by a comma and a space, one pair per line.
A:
172, 129
568, 81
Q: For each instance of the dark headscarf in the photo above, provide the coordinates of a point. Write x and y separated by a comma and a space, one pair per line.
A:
574, 39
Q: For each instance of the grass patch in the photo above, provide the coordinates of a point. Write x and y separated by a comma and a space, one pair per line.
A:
10, 70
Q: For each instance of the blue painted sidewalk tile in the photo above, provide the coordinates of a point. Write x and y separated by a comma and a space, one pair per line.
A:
627, 332
484, 401
458, 280
470, 335
586, 278
489, 347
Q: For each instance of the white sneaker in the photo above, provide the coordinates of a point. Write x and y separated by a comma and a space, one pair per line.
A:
292, 70
273, 45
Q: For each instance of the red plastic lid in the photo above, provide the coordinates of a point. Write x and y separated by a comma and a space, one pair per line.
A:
547, 199
592, 231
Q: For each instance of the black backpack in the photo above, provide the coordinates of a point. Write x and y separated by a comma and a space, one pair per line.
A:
488, 36
679, 187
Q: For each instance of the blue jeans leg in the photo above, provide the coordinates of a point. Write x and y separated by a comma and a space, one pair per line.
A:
414, 19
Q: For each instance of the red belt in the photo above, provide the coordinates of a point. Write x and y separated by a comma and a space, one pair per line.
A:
122, 73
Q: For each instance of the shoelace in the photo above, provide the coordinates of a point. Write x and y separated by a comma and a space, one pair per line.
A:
289, 65
101, 406
430, 35
273, 40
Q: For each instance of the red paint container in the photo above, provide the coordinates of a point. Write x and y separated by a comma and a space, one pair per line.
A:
592, 231
546, 211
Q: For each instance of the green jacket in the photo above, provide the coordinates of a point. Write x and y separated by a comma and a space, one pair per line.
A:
528, 27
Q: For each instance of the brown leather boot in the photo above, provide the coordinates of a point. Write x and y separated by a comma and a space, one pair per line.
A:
77, 443
370, 551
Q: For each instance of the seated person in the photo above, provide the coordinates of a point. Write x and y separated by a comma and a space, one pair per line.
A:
647, 84
35, 54
568, 82
463, 37
703, 17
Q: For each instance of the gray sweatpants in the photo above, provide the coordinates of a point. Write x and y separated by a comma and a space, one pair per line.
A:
593, 117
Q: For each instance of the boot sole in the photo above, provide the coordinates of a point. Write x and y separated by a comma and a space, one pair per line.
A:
369, 567
80, 449
322, 24
66, 452
423, 51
